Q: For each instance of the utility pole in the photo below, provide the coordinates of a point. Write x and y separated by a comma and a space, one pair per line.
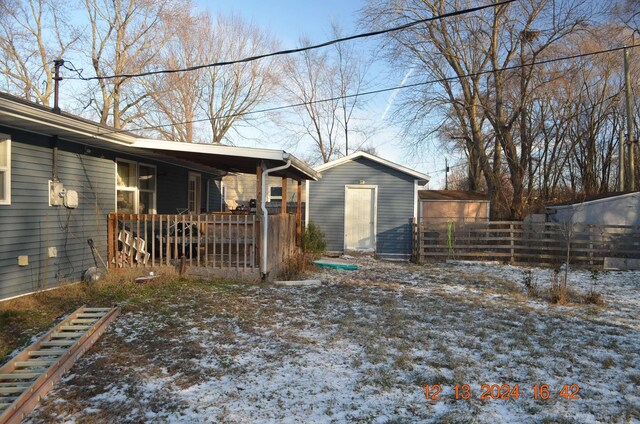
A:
346, 142
630, 139
56, 83
622, 164
446, 174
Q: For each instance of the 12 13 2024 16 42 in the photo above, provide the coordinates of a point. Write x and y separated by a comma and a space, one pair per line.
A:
490, 392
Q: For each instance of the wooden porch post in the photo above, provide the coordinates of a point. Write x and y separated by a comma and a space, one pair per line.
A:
259, 190
284, 196
299, 216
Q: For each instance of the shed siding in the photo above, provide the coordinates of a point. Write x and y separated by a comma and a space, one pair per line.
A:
394, 208
621, 210
30, 226
454, 211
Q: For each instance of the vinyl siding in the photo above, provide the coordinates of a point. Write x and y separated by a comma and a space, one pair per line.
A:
242, 187
30, 226
172, 184
215, 195
394, 208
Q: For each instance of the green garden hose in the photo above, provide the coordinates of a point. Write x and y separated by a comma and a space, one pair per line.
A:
450, 238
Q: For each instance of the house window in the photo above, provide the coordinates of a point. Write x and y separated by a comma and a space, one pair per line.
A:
194, 192
146, 189
135, 187
275, 193
5, 170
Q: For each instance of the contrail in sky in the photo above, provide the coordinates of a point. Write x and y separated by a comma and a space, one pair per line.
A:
393, 95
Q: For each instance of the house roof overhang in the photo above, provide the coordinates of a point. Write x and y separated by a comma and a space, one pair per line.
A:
230, 158
417, 175
214, 159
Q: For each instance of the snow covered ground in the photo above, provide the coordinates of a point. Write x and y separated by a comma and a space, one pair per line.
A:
361, 348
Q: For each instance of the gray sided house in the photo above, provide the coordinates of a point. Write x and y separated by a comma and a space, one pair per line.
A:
612, 209
61, 175
365, 203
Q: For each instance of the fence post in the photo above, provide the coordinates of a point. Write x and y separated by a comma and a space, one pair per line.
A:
414, 241
420, 243
111, 228
299, 216
590, 245
511, 241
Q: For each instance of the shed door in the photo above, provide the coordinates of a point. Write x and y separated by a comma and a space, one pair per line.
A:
360, 217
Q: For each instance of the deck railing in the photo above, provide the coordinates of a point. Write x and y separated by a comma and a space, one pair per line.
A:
207, 240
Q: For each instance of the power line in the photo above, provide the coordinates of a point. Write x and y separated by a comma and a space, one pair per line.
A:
300, 49
384, 90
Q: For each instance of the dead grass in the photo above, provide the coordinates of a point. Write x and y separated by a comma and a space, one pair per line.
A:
559, 293
26, 316
296, 265
389, 337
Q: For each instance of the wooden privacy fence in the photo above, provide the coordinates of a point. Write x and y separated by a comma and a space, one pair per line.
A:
281, 241
218, 241
526, 242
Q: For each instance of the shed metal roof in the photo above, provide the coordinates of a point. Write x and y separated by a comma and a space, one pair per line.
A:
595, 198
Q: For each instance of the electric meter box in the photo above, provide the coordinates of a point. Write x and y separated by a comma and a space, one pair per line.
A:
71, 199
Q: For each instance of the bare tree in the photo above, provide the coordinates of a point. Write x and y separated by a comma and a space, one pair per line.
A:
470, 56
32, 34
177, 97
310, 80
231, 92
627, 12
326, 84
578, 111
126, 37
351, 79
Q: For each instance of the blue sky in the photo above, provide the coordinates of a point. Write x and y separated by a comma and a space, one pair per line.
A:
288, 20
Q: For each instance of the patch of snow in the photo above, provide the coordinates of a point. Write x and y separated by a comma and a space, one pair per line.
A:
363, 345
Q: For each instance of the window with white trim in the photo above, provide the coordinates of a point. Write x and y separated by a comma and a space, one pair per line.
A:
146, 188
5, 170
275, 193
135, 187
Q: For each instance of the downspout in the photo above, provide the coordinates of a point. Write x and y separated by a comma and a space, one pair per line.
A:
265, 213
306, 207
